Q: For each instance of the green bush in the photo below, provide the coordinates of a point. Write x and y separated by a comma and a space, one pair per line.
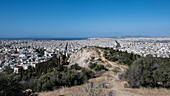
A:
8, 70
92, 65
100, 67
54, 74
58, 79
92, 58
122, 57
99, 59
113, 59
149, 72
9, 85
76, 67
97, 67
116, 69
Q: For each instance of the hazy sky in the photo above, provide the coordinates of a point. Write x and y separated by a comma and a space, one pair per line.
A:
84, 18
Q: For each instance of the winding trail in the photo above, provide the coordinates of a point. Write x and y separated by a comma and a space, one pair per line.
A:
122, 67
114, 82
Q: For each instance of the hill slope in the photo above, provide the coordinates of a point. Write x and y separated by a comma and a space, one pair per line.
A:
110, 80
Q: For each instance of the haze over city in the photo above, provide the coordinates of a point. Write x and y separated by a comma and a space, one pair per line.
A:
84, 18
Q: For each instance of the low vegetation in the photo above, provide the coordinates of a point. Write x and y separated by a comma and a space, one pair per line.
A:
149, 72
143, 71
47, 76
58, 79
98, 89
116, 69
97, 67
9, 85
120, 57
76, 67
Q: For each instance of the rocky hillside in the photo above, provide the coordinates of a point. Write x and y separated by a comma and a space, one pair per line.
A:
82, 57
110, 83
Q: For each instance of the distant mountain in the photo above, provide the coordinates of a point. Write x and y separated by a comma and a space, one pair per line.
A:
138, 36
167, 37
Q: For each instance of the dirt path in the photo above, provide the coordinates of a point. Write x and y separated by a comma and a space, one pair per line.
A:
122, 67
113, 80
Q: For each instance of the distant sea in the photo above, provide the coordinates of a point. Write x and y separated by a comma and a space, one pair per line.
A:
70, 38
43, 38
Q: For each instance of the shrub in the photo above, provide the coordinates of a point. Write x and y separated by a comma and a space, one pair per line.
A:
149, 72
122, 57
76, 67
97, 67
122, 75
100, 67
116, 69
8, 70
126, 85
92, 65
102, 85
92, 89
57, 79
92, 58
99, 59
113, 59
9, 86
87, 86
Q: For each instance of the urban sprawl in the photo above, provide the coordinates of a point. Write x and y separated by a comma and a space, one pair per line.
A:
28, 53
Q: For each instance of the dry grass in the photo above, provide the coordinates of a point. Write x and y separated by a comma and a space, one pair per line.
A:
148, 91
109, 65
72, 91
100, 92
79, 91
154, 92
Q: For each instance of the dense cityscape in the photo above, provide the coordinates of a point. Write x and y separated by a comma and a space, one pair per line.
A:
27, 53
